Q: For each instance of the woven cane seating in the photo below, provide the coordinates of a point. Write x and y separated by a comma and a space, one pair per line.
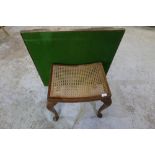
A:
74, 83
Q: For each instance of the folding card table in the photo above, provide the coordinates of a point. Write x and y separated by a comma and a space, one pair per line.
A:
74, 64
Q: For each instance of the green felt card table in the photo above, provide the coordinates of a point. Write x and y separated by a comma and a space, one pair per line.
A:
80, 60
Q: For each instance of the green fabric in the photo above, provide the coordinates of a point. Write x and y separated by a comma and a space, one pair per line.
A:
71, 47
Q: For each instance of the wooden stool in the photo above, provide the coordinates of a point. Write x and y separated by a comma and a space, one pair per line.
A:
78, 83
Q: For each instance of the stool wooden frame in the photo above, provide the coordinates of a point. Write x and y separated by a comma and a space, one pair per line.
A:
52, 101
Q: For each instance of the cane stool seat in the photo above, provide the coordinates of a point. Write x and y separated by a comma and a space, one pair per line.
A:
78, 81
74, 83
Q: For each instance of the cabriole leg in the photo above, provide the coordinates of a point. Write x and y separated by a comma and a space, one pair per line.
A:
106, 103
50, 107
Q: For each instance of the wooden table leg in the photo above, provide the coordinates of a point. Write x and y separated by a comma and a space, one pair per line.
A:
50, 106
106, 103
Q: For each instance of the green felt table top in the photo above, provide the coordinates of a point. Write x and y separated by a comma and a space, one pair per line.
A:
71, 47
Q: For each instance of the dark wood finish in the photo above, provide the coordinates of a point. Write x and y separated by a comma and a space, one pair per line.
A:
52, 101
106, 103
50, 106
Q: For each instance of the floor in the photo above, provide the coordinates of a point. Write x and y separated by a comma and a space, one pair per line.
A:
131, 78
